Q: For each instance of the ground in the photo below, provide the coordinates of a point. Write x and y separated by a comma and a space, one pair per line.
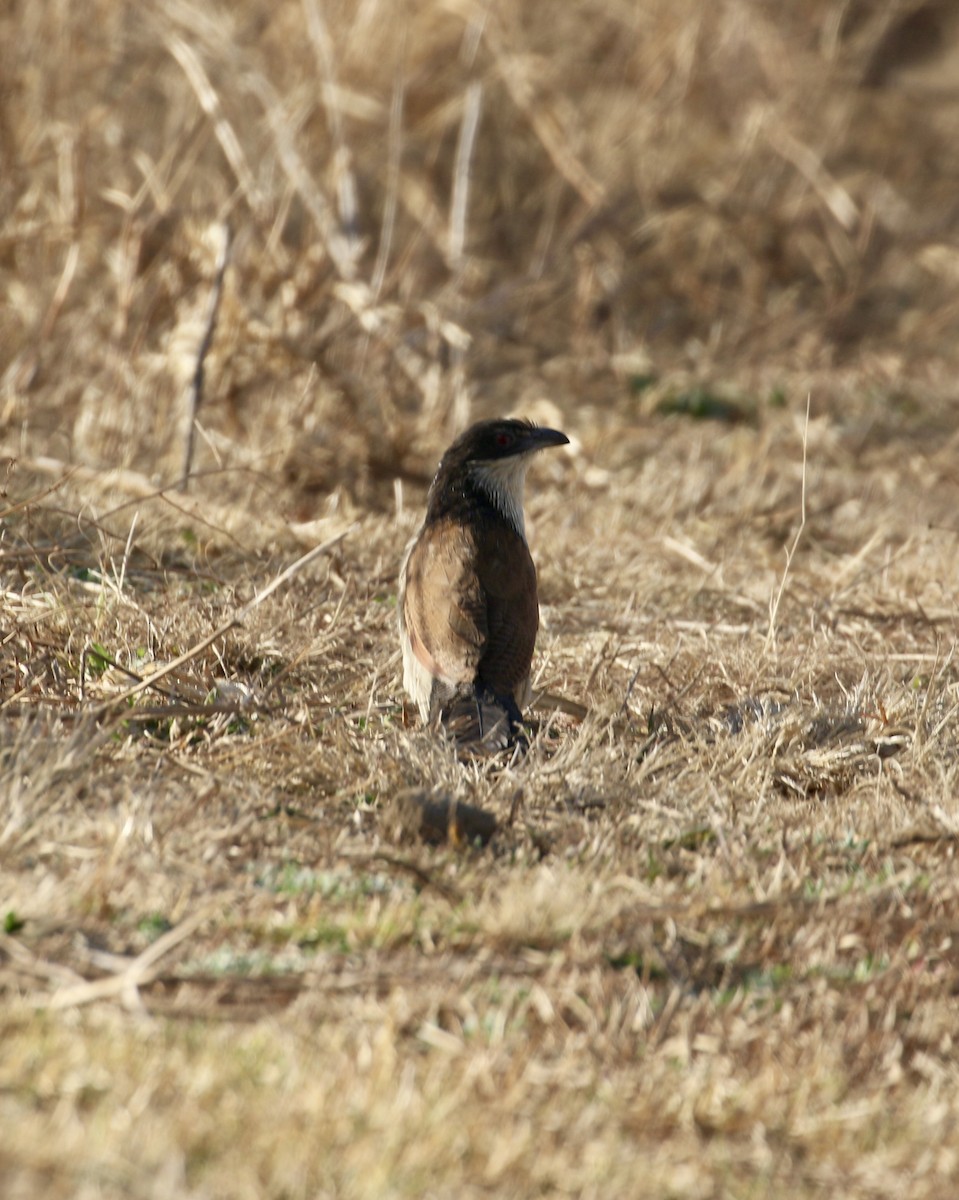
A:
711, 948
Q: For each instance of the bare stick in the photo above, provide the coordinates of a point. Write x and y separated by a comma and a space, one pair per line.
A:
790, 553
196, 387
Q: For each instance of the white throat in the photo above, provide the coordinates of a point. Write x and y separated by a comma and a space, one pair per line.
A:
503, 479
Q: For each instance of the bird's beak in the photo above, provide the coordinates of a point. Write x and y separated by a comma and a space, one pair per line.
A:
542, 439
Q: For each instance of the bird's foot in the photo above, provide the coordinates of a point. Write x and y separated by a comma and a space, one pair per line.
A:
482, 722
500, 721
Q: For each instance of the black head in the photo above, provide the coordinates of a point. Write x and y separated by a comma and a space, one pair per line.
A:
477, 468
487, 441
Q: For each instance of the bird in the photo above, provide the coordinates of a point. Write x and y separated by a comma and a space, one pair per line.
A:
467, 606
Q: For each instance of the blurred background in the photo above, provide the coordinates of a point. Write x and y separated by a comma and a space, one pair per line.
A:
593, 212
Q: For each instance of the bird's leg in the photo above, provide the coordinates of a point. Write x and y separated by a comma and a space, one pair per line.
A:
517, 731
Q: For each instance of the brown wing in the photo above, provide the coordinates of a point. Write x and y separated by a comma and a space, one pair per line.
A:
444, 605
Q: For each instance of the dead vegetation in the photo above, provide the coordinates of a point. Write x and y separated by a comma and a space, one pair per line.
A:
709, 948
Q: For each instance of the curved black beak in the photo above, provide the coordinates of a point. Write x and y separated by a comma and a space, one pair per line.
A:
541, 439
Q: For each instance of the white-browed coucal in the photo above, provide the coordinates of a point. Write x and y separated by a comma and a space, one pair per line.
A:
468, 607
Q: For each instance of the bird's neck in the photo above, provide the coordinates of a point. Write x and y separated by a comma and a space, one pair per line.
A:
491, 488
503, 483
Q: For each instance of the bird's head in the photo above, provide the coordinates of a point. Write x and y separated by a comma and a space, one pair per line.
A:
492, 458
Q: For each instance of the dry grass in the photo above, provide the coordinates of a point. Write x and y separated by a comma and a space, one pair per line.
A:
712, 948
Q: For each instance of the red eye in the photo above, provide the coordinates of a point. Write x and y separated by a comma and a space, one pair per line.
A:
503, 439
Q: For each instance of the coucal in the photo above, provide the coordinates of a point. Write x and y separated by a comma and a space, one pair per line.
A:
468, 608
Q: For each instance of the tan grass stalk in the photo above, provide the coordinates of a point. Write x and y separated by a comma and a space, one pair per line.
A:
392, 185
809, 164
472, 107
791, 550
